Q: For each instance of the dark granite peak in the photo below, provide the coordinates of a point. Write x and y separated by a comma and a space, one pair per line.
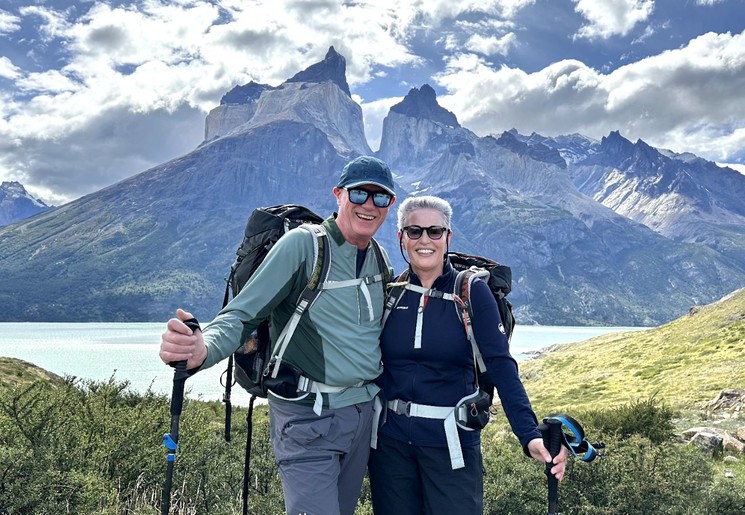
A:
422, 103
333, 68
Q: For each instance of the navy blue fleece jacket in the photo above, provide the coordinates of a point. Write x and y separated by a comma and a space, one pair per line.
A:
441, 372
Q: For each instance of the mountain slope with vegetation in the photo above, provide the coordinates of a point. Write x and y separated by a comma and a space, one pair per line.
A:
683, 363
16, 372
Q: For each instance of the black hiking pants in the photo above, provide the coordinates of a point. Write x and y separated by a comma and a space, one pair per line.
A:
406, 479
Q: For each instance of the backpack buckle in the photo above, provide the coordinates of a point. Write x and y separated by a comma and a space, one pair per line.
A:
401, 407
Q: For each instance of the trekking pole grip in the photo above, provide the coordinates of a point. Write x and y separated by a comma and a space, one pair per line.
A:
552, 441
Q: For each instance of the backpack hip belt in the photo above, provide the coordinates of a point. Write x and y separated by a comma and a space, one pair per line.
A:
308, 385
452, 417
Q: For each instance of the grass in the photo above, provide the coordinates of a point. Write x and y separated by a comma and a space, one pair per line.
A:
684, 363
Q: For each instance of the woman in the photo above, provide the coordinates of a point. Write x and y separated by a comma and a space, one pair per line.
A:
427, 369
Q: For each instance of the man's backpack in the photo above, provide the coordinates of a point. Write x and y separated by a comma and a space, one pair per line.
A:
265, 226
499, 279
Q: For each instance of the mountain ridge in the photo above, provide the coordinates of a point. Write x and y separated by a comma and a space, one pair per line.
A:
165, 238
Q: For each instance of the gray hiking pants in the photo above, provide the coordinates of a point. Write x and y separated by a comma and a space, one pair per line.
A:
321, 459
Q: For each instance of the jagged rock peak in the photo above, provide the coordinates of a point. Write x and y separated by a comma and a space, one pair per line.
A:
535, 150
13, 186
16, 190
422, 103
246, 94
333, 68
616, 144
16, 203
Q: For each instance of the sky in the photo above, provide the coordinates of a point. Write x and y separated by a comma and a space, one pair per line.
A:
92, 92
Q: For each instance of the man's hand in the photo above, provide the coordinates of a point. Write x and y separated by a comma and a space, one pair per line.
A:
179, 343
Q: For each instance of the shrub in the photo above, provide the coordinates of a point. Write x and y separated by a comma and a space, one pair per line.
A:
95, 448
648, 418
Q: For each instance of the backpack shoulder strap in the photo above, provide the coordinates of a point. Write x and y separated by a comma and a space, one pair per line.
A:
321, 257
394, 291
383, 265
319, 274
462, 291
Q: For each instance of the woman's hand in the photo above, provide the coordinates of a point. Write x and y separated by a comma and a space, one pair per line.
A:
539, 452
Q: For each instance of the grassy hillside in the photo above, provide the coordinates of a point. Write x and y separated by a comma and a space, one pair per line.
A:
14, 372
684, 363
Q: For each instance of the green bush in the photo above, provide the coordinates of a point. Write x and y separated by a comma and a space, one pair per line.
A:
95, 448
648, 418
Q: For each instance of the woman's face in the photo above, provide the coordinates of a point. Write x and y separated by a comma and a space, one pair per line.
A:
425, 253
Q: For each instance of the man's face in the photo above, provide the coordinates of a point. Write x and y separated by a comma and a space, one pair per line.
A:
359, 222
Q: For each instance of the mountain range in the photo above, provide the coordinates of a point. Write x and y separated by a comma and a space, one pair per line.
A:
608, 232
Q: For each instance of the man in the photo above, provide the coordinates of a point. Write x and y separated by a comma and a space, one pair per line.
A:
321, 453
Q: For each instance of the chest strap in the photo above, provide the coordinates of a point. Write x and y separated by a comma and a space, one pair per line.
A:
425, 292
363, 283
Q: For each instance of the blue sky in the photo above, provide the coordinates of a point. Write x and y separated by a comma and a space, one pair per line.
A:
92, 92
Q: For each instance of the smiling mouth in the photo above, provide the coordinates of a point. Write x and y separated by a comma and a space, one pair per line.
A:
428, 252
366, 218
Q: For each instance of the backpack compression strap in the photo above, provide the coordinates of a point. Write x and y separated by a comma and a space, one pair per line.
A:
394, 294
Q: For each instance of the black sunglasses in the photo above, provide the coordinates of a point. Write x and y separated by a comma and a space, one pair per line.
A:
360, 196
433, 231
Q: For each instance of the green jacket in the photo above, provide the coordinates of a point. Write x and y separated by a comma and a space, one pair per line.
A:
336, 341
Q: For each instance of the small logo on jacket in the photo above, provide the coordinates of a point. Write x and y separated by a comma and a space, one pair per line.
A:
501, 329
402, 307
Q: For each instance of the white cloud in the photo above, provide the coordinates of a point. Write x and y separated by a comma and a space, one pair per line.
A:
8, 22
53, 23
8, 70
608, 18
435, 11
491, 45
708, 2
681, 99
118, 66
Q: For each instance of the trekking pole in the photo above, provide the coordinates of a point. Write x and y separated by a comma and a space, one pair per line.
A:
228, 371
552, 441
170, 439
226, 397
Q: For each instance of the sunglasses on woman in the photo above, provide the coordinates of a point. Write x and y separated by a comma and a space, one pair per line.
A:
360, 196
433, 231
